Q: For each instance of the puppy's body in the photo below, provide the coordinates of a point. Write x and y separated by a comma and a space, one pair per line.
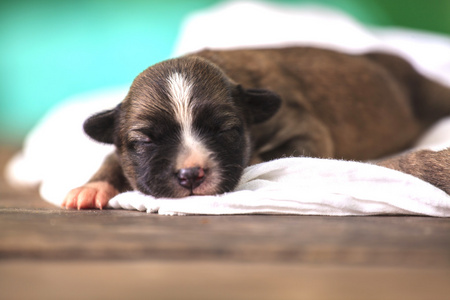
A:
335, 105
190, 125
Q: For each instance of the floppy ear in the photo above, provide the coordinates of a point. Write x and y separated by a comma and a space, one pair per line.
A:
100, 126
262, 104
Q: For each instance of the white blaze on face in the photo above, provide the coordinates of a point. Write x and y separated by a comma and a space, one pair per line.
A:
180, 90
193, 152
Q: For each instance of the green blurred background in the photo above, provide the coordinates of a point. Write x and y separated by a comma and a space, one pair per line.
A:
53, 49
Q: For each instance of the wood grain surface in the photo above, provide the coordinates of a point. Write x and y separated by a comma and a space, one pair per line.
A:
136, 254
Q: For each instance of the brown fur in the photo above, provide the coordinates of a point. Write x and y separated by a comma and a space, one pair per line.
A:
430, 166
334, 105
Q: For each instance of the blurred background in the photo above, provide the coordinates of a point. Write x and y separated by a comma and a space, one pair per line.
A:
51, 50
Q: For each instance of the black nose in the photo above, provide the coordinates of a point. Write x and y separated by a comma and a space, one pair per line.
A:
191, 178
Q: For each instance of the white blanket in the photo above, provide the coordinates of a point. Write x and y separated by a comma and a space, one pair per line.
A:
308, 186
58, 156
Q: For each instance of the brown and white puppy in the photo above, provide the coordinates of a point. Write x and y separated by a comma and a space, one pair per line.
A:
189, 126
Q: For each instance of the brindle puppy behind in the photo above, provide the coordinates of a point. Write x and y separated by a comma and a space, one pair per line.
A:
189, 126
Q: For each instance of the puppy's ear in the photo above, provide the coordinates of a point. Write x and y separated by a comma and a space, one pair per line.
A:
100, 126
263, 104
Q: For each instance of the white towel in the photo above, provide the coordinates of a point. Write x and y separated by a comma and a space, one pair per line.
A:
58, 156
307, 186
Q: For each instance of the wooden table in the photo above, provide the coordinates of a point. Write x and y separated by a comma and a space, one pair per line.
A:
51, 253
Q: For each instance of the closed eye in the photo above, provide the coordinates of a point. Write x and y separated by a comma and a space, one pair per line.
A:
145, 140
139, 137
235, 129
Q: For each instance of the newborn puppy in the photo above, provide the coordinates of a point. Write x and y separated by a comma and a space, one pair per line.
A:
189, 126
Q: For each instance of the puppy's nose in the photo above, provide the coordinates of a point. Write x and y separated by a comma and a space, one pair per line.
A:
191, 178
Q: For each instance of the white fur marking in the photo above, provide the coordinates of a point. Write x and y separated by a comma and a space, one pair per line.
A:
180, 96
194, 151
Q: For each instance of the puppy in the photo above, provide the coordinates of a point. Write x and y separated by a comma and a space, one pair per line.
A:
189, 126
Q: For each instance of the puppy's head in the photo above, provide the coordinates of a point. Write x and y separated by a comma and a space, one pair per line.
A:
183, 128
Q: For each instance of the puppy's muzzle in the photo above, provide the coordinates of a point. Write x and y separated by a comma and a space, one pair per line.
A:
190, 178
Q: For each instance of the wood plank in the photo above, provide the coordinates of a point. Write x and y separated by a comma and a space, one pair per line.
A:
61, 234
215, 280
36, 229
50, 253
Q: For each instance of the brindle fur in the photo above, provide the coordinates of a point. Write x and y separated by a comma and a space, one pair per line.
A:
334, 105
430, 166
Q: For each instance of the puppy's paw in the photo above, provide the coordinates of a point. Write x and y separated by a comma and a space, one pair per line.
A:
91, 195
436, 169
430, 166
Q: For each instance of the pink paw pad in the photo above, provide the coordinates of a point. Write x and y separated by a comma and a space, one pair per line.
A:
91, 195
